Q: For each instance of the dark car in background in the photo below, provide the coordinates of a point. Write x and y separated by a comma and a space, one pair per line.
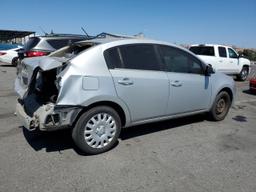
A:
44, 45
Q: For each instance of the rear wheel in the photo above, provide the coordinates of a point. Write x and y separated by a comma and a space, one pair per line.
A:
243, 74
220, 106
97, 130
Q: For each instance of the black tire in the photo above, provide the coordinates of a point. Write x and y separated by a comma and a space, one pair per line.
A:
218, 112
15, 61
243, 74
78, 132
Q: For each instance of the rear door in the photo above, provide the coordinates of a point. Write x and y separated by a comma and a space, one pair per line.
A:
233, 61
190, 89
138, 80
223, 60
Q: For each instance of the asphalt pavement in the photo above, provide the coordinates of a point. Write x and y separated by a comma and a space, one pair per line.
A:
186, 154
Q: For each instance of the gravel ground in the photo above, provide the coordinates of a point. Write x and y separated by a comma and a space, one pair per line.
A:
187, 154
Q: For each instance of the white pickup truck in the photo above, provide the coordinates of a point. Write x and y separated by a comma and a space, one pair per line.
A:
223, 59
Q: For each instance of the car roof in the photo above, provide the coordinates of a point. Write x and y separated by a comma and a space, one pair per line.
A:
208, 44
111, 42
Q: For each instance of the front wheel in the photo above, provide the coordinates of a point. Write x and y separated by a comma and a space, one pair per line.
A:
220, 106
97, 130
243, 74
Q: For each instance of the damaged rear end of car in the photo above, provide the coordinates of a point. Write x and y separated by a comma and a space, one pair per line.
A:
38, 87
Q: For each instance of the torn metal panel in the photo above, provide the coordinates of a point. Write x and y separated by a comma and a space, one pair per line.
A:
19, 89
49, 63
28, 67
48, 117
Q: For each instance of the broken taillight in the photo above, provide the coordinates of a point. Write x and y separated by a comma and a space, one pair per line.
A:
35, 53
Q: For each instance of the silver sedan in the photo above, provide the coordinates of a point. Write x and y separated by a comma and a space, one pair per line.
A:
98, 86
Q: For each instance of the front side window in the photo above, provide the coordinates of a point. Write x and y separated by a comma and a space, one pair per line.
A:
179, 61
232, 53
222, 52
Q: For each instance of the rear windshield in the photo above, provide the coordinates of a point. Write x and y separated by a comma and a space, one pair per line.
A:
202, 50
31, 43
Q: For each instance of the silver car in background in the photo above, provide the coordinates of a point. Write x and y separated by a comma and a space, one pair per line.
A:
98, 86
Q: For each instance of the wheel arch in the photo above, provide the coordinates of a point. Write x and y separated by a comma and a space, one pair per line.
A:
115, 106
246, 66
229, 91
224, 88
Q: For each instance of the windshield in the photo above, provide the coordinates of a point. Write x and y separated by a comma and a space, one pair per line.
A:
203, 50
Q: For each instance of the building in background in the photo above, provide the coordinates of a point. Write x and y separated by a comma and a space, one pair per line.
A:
15, 37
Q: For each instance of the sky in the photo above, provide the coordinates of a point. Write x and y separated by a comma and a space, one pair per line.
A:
230, 22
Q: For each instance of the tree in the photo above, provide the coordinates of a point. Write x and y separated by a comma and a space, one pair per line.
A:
250, 54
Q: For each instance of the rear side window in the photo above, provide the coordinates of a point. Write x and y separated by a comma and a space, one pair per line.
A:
112, 58
31, 43
203, 50
179, 61
222, 52
138, 56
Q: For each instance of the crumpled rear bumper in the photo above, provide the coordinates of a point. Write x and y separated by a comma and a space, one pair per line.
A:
48, 117
26, 120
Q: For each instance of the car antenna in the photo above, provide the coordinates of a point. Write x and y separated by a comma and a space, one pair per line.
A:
43, 30
85, 32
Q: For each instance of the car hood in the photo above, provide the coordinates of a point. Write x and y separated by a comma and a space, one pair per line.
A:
245, 60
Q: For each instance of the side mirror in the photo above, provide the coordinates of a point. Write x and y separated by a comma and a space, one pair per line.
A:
240, 55
209, 70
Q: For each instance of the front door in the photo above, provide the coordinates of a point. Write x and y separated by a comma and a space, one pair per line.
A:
190, 89
233, 61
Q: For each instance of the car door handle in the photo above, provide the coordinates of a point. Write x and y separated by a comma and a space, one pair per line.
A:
176, 84
125, 81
